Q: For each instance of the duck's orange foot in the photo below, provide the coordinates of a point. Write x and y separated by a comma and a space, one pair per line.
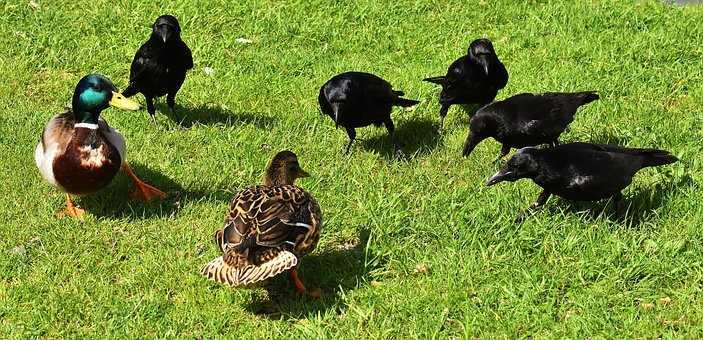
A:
142, 191
300, 288
72, 210
145, 192
315, 293
75, 212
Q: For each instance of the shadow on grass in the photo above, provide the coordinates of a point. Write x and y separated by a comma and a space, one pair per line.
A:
418, 137
637, 207
212, 115
335, 271
116, 202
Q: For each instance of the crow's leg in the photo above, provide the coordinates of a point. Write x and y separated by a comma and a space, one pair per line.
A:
503, 151
541, 200
621, 206
352, 135
150, 108
442, 114
171, 101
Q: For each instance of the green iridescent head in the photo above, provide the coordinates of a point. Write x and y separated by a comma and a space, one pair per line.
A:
95, 93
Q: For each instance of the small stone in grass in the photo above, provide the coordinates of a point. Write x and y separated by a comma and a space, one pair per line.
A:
242, 41
33, 4
421, 269
665, 301
208, 70
19, 250
647, 305
675, 323
199, 249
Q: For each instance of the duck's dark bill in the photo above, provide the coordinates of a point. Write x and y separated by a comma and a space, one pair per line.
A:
302, 173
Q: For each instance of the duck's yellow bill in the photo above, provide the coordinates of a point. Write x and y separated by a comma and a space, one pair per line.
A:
121, 102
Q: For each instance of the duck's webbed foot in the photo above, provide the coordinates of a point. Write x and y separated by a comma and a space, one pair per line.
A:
142, 191
300, 287
72, 209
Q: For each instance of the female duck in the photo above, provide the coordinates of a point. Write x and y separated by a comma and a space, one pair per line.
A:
79, 153
268, 229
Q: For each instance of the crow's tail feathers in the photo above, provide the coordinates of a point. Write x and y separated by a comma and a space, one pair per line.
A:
654, 157
588, 96
405, 102
441, 80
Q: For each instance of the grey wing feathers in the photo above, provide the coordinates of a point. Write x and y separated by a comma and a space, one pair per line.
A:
58, 130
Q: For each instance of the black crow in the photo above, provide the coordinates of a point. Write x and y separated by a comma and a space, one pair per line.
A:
357, 99
160, 65
525, 119
580, 171
472, 79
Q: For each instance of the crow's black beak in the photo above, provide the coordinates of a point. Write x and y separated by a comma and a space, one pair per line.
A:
483, 61
164, 32
470, 144
498, 177
167, 33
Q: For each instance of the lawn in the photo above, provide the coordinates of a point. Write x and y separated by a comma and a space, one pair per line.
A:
414, 248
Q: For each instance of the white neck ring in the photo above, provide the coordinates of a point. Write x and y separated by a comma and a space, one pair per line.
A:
86, 126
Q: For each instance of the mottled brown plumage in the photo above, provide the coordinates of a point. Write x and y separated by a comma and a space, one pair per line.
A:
268, 228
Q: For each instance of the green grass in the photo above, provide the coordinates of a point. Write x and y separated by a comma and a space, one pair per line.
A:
574, 269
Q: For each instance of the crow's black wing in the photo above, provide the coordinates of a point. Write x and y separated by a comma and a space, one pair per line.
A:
144, 63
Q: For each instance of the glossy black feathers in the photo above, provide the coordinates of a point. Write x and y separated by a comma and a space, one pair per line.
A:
581, 171
357, 99
160, 65
474, 78
526, 119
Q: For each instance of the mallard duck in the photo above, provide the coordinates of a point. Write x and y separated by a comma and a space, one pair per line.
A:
79, 153
268, 229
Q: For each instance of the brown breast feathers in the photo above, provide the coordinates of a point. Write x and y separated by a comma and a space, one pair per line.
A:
88, 164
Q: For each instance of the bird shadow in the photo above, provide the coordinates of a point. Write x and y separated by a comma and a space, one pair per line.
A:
636, 207
347, 267
116, 200
212, 115
418, 137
